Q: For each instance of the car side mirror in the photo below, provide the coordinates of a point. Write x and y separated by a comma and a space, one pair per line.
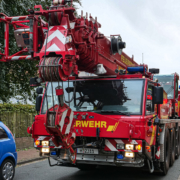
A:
38, 103
158, 95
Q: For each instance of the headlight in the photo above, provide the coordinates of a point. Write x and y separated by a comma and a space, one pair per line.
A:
129, 154
45, 143
129, 146
45, 150
120, 146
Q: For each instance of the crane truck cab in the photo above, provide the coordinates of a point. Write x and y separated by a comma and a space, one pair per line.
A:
118, 122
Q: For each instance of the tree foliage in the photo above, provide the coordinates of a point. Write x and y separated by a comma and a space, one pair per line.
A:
14, 76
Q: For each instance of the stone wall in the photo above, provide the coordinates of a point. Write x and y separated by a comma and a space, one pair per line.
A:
24, 142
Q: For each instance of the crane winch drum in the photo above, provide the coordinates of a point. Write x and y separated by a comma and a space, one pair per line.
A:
117, 45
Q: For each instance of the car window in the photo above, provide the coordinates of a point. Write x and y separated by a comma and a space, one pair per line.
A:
3, 134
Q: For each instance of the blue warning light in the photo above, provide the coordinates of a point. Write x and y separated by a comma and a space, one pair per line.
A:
120, 156
53, 153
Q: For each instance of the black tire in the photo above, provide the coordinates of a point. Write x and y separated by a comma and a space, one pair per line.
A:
86, 167
8, 165
178, 144
165, 164
172, 147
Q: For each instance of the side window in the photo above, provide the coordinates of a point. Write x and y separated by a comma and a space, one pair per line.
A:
177, 88
149, 100
3, 134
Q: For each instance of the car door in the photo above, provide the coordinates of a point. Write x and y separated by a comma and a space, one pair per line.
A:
3, 141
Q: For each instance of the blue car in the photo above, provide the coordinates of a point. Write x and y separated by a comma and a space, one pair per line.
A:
8, 154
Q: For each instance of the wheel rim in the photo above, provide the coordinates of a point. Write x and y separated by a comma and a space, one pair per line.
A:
8, 171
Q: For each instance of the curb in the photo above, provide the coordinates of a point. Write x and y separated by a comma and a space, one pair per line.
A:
32, 160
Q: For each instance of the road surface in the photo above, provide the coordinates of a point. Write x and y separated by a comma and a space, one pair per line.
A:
41, 171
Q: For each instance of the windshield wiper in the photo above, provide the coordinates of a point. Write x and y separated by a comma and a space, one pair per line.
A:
119, 112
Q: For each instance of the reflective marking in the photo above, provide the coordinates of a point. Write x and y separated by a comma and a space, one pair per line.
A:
53, 48
63, 118
133, 142
56, 34
119, 141
41, 137
15, 58
110, 146
70, 123
28, 57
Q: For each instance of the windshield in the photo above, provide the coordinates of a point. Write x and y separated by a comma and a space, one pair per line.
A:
115, 96
167, 82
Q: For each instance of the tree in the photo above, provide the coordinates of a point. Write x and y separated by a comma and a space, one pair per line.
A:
14, 76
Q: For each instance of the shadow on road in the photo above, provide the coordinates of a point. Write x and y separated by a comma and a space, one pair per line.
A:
110, 173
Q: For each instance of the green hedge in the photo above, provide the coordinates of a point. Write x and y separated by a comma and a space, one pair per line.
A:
17, 108
17, 117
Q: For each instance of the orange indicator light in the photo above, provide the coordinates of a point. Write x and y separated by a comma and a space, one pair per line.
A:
37, 142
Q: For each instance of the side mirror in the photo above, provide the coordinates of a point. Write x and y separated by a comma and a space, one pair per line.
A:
38, 103
158, 95
39, 90
34, 82
154, 71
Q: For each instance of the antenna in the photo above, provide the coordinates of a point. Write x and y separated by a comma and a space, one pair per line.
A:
142, 58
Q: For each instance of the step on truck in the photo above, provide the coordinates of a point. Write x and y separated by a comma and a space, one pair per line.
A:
121, 114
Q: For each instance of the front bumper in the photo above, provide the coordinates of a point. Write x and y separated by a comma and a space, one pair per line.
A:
103, 158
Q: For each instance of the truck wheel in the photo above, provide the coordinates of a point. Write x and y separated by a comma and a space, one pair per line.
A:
178, 144
86, 167
165, 164
172, 147
7, 170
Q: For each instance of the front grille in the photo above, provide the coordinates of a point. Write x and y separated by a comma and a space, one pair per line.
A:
84, 140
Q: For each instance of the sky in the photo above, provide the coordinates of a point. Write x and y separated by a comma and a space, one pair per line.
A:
148, 27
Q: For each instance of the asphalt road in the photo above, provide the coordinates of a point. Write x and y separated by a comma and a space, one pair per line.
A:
42, 171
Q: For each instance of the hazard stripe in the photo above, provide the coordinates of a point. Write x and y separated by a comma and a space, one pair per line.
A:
110, 146
119, 141
70, 123
59, 46
56, 34
62, 119
19, 18
65, 125
158, 153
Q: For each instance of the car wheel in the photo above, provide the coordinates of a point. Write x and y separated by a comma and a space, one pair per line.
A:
7, 170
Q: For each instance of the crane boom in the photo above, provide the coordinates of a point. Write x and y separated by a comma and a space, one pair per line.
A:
65, 45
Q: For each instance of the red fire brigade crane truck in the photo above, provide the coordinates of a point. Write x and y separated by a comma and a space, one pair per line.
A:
121, 115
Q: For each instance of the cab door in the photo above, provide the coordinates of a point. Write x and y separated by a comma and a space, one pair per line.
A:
150, 113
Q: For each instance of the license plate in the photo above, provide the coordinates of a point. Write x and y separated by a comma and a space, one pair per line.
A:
87, 151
